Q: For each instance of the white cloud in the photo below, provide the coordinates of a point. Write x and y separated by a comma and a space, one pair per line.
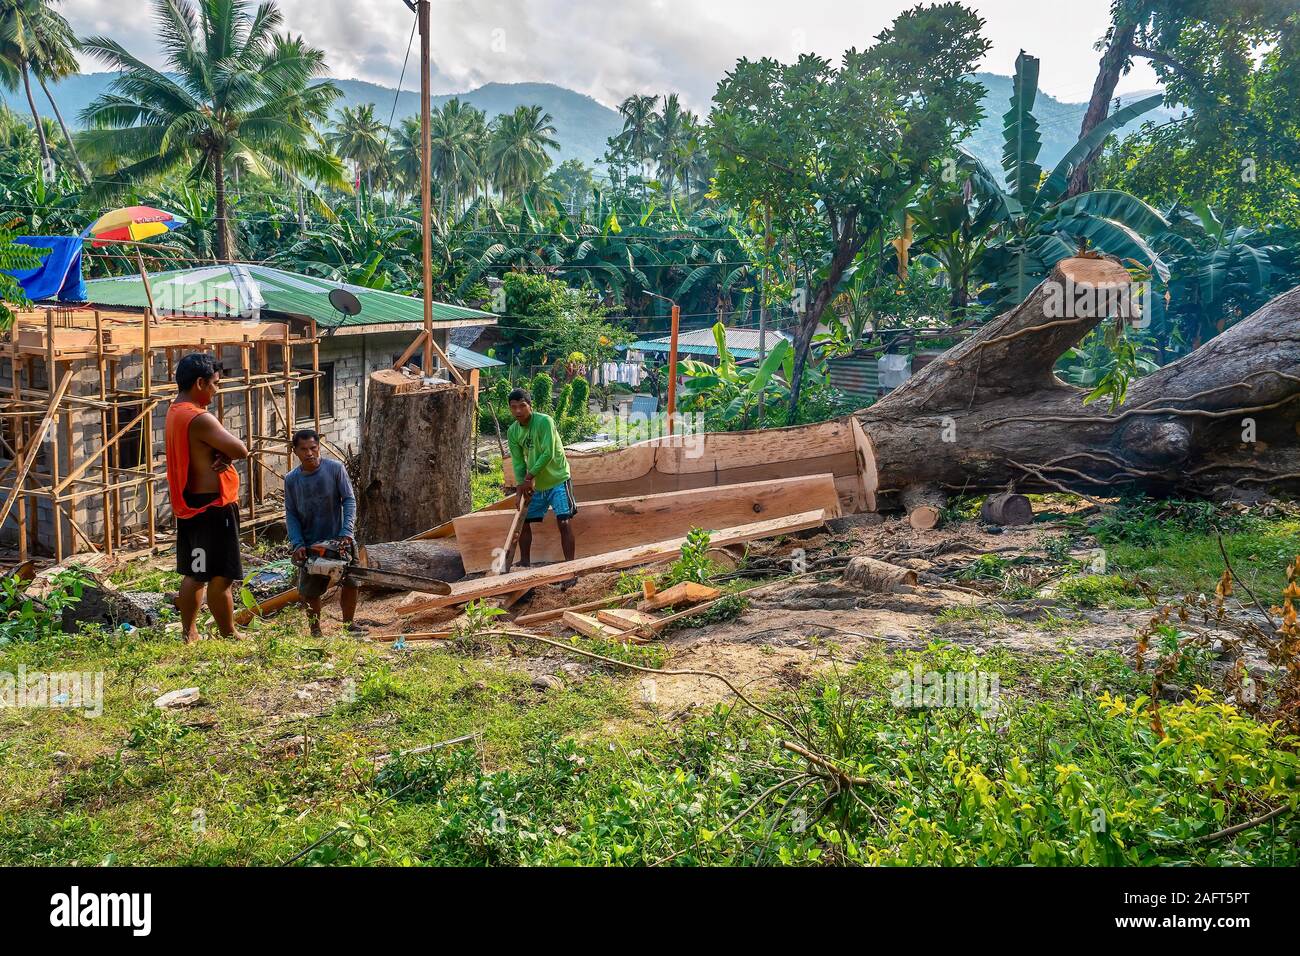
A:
612, 48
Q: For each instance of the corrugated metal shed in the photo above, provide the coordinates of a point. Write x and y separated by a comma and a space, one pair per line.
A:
244, 291
857, 374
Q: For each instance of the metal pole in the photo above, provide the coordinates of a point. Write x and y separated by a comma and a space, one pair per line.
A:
426, 188
762, 305
672, 367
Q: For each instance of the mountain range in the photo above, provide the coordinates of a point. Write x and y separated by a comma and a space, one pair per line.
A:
583, 125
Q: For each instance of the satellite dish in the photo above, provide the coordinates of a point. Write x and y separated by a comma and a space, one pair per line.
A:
345, 302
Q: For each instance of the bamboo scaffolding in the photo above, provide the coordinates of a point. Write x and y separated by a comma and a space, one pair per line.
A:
71, 437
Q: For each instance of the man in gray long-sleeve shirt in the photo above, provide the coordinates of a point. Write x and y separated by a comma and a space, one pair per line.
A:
319, 506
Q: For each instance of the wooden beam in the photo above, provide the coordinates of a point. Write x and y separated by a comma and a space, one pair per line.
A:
72, 476
541, 617
602, 526
463, 591
34, 446
410, 351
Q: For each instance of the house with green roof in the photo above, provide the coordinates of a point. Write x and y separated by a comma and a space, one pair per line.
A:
352, 346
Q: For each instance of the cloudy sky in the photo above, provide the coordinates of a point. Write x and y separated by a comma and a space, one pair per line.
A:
609, 49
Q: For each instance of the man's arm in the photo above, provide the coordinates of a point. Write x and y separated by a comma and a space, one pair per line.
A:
292, 521
517, 457
213, 434
349, 500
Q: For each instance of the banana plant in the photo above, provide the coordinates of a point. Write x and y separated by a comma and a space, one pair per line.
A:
1219, 274
728, 394
1034, 225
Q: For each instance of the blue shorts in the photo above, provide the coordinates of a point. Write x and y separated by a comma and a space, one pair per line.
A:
559, 499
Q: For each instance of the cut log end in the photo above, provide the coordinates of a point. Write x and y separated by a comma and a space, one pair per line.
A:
924, 504
1007, 509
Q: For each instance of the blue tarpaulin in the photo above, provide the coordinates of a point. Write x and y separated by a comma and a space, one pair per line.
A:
59, 274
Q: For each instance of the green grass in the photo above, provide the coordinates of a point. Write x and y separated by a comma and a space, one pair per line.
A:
486, 487
289, 748
1183, 561
136, 778
585, 774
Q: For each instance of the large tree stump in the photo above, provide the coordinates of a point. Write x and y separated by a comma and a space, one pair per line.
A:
990, 410
415, 456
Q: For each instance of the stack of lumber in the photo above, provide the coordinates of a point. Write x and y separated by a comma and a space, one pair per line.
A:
472, 590
612, 534
605, 526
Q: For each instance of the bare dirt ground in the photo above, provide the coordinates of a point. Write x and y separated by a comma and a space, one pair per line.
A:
790, 632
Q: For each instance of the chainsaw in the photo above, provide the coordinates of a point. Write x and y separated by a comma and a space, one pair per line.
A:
339, 562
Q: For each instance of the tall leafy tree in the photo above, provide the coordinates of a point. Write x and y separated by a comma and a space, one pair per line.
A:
834, 153
1203, 51
234, 92
1238, 148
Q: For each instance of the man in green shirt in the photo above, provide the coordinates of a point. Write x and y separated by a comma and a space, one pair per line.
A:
542, 473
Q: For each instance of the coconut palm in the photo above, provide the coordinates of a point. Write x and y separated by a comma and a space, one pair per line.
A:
35, 41
234, 93
637, 137
358, 135
517, 149
672, 131
455, 148
406, 150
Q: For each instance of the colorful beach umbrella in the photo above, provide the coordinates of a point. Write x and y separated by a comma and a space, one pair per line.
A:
131, 224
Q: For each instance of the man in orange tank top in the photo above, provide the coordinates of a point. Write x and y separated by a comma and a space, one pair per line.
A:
204, 490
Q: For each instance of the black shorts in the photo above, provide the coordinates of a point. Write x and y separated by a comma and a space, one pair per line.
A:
207, 545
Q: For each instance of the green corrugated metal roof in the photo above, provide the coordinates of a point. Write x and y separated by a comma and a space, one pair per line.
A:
243, 291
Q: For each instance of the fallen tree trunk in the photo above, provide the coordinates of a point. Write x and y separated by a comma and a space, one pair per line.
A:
415, 456
990, 411
439, 560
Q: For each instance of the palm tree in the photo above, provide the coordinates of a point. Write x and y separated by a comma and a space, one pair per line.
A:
358, 135
406, 150
637, 138
37, 41
694, 164
454, 148
517, 151
672, 130
234, 93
